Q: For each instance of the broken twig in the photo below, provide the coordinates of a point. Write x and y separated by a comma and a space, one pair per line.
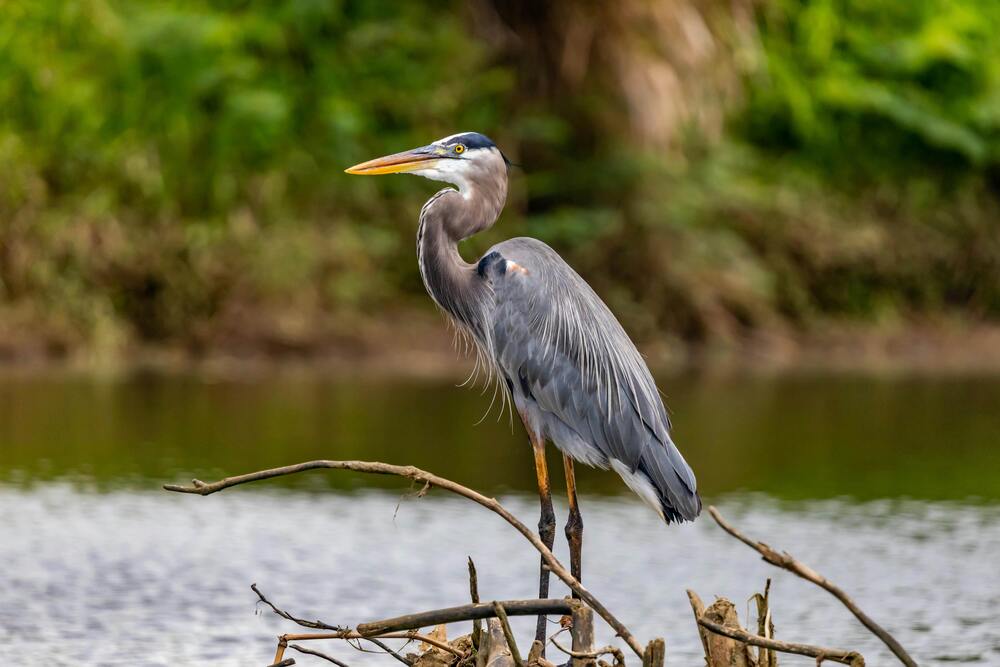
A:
477, 624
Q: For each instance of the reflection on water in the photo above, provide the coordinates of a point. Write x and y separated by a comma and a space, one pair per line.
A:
791, 437
888, 486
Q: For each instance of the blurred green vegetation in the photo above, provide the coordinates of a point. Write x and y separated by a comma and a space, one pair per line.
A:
171, 172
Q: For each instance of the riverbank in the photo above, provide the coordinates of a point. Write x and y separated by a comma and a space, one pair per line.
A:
419, 344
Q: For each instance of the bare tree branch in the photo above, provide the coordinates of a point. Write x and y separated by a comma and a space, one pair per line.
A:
465, 612
317, 624
303, 649
842, 656
785, 561
428, 479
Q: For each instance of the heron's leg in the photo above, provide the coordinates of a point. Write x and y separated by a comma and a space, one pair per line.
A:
574, 524
546, 524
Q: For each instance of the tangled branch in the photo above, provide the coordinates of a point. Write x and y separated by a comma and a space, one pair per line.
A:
852, 658
428, 479
785, 561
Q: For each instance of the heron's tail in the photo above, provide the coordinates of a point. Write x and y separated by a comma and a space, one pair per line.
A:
672, 479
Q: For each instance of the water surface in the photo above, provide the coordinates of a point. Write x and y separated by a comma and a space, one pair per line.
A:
803, 436
889, 486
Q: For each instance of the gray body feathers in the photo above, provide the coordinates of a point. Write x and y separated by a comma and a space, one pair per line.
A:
577, 378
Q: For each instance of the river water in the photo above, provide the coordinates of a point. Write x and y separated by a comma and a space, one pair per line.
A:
890, 486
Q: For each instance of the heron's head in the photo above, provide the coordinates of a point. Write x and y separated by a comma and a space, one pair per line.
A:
465, 160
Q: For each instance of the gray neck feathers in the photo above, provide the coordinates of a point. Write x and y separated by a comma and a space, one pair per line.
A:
447, 218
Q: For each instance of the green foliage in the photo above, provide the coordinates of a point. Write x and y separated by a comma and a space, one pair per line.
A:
197, 107
880, 122
172, 170
880, 89
148, 149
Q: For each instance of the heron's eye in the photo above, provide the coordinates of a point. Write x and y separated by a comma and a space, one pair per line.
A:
459, 148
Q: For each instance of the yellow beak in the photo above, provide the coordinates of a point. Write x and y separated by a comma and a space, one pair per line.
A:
397, 163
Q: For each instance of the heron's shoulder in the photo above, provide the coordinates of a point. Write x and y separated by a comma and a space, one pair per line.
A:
527, 256
524, 247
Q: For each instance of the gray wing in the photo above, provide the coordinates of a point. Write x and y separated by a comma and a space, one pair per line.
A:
562, 349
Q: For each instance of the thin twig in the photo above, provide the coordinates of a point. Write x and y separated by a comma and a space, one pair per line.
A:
287, 662
607, 650
842, 656
511, 642
388, 649
316, 625
785, 561
320, 625
427, 639
303, 649
477, 624
416, 474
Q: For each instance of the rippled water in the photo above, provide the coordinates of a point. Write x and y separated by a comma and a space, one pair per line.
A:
887, 486
148, 579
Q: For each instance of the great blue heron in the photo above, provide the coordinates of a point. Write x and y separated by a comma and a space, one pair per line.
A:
574, 375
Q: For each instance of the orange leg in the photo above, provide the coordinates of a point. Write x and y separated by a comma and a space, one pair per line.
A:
546, 523
574, 524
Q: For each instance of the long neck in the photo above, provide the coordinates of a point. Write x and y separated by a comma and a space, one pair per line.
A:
447, 218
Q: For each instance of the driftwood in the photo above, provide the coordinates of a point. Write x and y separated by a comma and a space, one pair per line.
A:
494, 650
852, 658
436, 656
785, 561
727, 644
724, 641
720, 649
655, 654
